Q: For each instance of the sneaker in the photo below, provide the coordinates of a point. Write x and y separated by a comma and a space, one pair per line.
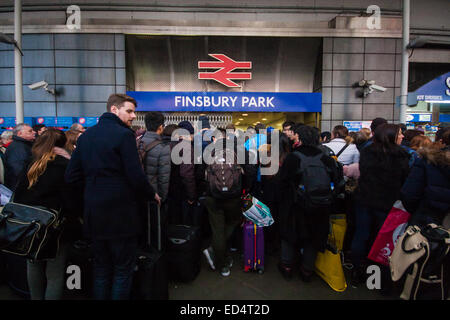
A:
225, 271
209, 254
229, 262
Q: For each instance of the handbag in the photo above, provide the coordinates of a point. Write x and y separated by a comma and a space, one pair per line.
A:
32, 232
422, 255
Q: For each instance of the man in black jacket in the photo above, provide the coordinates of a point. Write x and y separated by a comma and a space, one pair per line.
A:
301, 225
18, 154
106, 159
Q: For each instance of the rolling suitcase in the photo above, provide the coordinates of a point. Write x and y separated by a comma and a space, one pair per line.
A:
253, 237
150, 281
183, 252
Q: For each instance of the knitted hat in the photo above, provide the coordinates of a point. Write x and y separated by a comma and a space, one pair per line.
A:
205, 122
187, 126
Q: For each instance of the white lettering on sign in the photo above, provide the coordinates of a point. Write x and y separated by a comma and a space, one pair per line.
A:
260, 102
230, 102
447, 82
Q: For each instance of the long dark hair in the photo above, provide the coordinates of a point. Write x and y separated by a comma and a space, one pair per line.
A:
385, 138
42, 152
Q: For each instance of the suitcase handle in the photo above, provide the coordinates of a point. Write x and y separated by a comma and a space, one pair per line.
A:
149, 204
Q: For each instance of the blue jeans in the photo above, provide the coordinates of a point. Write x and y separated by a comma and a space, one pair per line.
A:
114, 263
366, 219
46, 278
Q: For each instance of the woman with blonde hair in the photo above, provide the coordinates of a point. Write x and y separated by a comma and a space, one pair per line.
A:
419, 142
44, 185
71, 143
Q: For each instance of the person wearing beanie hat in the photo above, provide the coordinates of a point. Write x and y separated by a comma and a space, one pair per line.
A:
187, 126
205, 122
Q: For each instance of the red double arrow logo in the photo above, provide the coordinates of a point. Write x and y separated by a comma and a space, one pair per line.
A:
225, 75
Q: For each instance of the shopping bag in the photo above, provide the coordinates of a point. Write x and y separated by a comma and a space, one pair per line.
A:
393, 227
257, 212
328, 264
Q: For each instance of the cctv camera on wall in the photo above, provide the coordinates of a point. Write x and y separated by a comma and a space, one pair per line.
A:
41, 84
368, 87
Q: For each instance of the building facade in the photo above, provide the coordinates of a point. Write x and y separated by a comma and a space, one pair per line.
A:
324, 47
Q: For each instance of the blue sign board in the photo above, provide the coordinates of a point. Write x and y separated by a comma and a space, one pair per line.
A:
444, 117
227, 101
64, 123
437, 90
87, 121
48, 121
355, 126
418, 117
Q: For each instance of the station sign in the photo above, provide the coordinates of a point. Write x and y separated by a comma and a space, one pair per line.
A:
227, 101
225, 73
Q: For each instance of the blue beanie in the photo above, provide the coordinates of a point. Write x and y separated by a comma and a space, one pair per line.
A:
187, 126
205, 122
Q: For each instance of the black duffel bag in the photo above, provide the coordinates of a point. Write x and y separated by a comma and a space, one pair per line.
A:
30, 231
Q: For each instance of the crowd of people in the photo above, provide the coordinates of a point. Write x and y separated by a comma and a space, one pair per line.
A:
103, 177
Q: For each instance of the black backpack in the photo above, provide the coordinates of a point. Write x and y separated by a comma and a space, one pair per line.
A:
316, 186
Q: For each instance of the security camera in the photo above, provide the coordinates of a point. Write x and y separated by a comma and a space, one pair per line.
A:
378, 88
38, 85
42, 84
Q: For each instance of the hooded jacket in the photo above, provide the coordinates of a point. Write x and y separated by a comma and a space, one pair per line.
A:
428, 185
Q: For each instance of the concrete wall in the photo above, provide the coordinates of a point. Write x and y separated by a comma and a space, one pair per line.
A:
84, 68
426, 16
349, 60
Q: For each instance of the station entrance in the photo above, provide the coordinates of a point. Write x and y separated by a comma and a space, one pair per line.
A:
240, 120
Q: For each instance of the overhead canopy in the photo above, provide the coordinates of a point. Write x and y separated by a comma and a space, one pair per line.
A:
437, 90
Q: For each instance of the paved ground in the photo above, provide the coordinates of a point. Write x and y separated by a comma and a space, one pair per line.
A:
239, 285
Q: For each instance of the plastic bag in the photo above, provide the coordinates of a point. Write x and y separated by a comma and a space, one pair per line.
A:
329, 264
393, 227
258, 212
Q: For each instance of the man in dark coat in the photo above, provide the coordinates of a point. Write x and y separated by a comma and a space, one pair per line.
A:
18, 154
299, 226
106, 159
